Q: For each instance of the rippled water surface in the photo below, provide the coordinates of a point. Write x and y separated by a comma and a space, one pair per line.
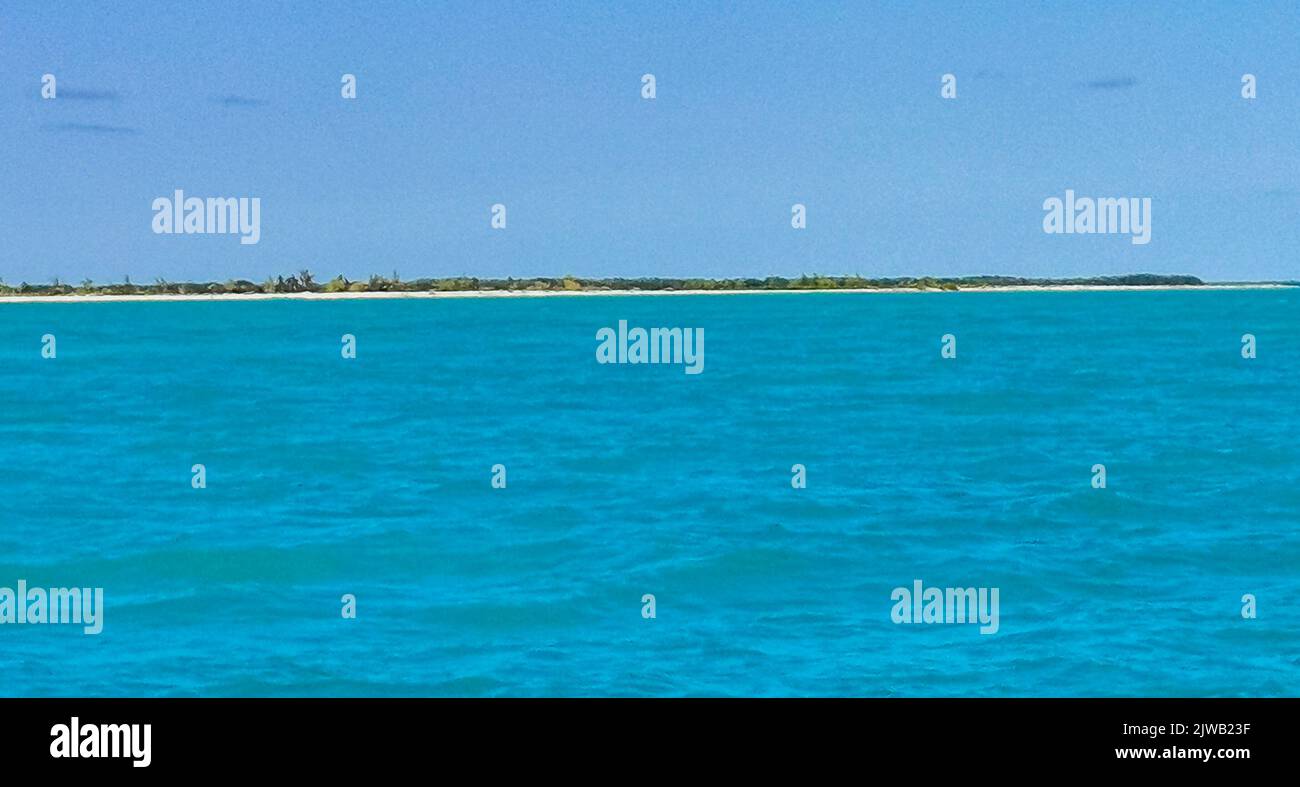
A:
371, 476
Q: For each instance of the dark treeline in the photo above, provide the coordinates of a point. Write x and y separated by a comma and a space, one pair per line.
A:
304, 281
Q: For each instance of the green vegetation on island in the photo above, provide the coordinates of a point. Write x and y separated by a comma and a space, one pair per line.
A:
304, 282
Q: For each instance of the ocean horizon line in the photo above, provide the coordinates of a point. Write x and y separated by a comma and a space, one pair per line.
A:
303, 286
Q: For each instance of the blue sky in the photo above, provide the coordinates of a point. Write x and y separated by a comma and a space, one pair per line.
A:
537, 106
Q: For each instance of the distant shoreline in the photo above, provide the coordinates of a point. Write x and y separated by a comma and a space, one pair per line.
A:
418, 294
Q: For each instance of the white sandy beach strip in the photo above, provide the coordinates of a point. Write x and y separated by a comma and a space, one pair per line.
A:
336, 296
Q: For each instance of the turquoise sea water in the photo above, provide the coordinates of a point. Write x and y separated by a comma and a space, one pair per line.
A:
372, 477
